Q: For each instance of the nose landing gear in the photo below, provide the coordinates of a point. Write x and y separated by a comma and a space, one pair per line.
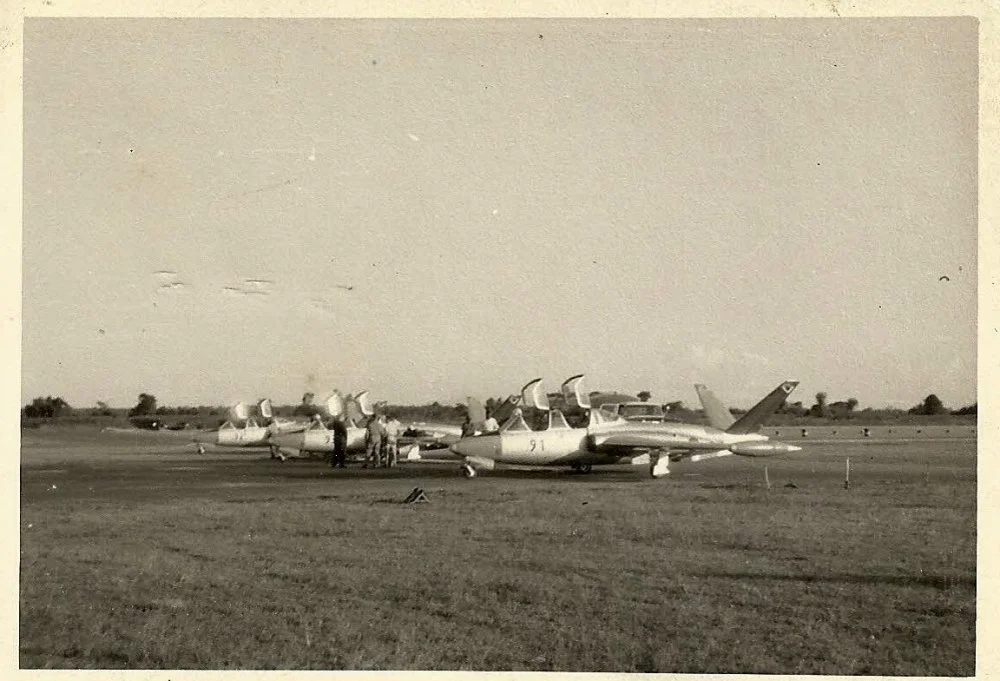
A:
468, 471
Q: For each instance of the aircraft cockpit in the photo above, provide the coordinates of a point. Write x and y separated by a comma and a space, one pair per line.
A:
608, 411
557, 421
229, 425
606, 414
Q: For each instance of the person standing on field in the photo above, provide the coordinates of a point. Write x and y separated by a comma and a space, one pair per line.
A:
339, 443
392, 430
373, 441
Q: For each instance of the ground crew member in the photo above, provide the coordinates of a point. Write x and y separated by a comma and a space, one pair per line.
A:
467, 428
490, 425
392, 429
373, 443
339, 443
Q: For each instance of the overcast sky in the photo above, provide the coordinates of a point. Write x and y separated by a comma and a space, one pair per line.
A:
231, 209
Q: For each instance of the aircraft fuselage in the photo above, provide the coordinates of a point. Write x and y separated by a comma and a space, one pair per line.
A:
582, 445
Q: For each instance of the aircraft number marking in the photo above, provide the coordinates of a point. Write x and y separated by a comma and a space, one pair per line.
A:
540, 444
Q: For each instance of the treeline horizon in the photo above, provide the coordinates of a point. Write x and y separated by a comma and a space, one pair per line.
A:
791, 413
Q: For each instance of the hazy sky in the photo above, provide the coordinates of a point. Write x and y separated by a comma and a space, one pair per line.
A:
655, 203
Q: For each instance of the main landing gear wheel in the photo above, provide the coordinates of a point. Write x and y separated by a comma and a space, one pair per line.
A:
468, 471
582, 467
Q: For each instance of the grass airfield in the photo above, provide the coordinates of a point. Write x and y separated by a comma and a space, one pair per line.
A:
136, 552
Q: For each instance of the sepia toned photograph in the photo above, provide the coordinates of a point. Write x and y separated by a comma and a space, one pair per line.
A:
596, 344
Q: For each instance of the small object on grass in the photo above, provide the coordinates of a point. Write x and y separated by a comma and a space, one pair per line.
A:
416, 496
847, 473
792, 485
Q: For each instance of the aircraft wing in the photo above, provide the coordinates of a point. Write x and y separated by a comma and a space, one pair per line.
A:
413, 454
626, 443
430, 434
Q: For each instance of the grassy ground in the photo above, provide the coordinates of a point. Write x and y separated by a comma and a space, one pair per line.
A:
143, 555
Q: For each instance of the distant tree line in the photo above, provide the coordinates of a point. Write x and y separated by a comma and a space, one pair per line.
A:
46, 408
146, 406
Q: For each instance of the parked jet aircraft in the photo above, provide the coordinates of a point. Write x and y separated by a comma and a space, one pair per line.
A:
251, 434
318, 438
609, 439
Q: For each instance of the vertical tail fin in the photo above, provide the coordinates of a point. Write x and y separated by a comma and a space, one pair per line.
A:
760, 411
506, 409
718, 416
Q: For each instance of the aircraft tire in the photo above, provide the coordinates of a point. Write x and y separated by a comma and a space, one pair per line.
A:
586, 468
468, 471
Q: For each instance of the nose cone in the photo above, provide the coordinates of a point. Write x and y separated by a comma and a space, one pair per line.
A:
289, 440
793, 448
478, 447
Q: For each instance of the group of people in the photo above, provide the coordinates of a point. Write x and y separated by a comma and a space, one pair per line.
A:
490, 425
382, 441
